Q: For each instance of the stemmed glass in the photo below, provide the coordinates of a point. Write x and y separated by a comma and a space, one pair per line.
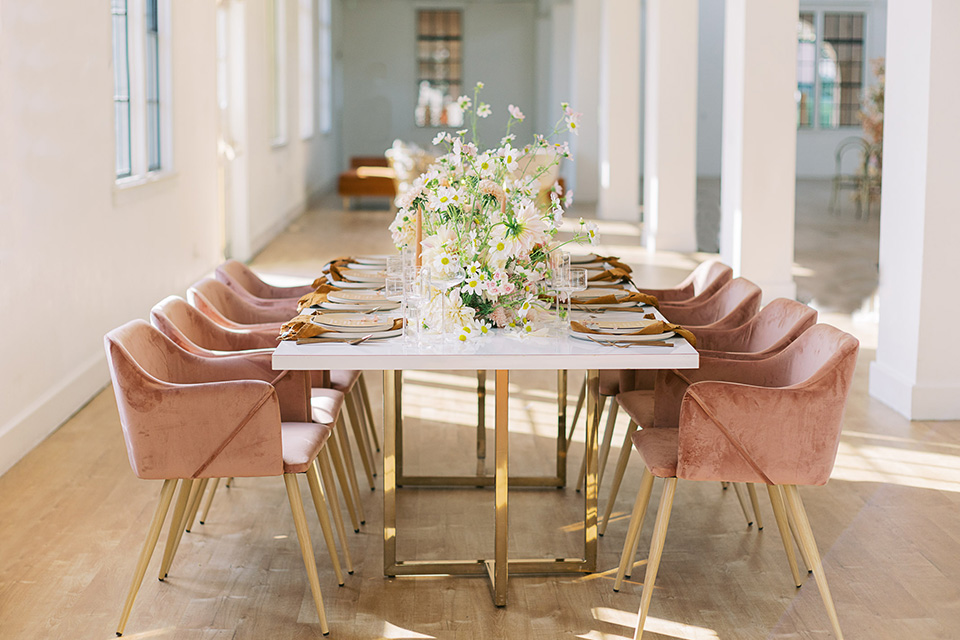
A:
444, 281
571, 281
559, 272
394, 290
416, 292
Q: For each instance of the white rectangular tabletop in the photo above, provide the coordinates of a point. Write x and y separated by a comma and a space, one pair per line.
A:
493, 351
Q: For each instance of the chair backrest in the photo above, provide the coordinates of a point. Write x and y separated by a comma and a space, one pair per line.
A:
178, 425
241, 279
193, 331
226, 307
773, 328
734, 304
849, 144
709, 277
780, 424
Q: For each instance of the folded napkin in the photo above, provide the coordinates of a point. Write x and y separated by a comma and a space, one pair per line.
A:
316, 298
612, 275
301, 327
336, 265
633, 296
614, 261
651, 329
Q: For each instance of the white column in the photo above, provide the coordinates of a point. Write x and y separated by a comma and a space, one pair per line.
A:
670, 126
620, 110
917, 370
585, 86
758, 172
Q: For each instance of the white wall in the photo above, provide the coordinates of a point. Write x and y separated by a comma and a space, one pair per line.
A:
79, 257
379, 70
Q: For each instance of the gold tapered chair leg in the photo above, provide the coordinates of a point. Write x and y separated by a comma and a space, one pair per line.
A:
351, 402
576, 413
333, 445
796, 536
206, 506
153, 534
345, 449
780, 515
364, 430
742, 498
334, 501
365, 396
633, 531
656, 551
583, 461
306, 547
607, 439
795, 505
320, 504
228, 483
195, 499
176, 527
755, 503
618, 475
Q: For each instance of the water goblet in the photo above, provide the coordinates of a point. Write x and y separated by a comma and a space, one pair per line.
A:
445, 280
394, 291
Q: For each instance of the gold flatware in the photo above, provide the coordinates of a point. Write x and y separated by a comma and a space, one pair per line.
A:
321, 339
624, 344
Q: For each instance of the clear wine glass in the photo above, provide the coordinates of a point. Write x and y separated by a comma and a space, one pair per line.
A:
395, 265
446, 280
416, 293
394, 291
559, 273
575, 281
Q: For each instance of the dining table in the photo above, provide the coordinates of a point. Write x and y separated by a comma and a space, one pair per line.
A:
504, 352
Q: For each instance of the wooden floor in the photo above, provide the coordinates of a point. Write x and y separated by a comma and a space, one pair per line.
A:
73, 516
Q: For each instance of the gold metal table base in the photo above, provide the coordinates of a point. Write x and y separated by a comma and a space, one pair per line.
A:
499, 567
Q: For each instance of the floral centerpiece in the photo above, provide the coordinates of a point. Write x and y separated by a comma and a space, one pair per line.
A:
488, 216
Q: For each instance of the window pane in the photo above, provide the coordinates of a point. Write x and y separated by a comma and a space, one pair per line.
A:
305, 44
439, 65
326, 67
806, 68
841, 69
152, 50
121, 88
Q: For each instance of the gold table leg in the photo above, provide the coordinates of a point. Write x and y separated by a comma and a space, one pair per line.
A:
392, 418
562, 428
590, 497
502, 518
481, 414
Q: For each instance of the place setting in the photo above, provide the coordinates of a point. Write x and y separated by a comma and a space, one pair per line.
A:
624, 333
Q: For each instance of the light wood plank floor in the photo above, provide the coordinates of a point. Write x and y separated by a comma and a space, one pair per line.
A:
73, 516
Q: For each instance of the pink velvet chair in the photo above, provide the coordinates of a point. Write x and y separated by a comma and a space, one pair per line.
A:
774, 421
190, 418
234, 311
731, 306
703, 282
770, 331
195, 332
243, 280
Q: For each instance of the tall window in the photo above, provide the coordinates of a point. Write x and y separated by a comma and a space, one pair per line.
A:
305, 68
277, 66
152, 46
830, 69
325, 39
140, 87
440, 64
121, 88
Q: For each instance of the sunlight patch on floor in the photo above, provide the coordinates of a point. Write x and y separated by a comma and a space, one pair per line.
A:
654, 625
893, 465
393, 632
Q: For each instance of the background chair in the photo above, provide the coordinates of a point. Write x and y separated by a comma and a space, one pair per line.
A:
189, 418
243, 280
703, 282
775, 421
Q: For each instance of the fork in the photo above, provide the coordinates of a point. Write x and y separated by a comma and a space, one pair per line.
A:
334, 340
627, 345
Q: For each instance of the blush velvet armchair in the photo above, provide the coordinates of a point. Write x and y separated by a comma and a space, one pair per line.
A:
774, 421
244, 281
187, 418
192, 331
767, 333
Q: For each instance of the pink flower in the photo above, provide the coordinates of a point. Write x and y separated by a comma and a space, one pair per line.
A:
499, 317
516, 113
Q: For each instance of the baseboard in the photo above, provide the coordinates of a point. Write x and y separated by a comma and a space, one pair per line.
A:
29, 428
265, 237
911, 400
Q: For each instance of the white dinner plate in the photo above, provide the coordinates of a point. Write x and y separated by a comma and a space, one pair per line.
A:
346, 284
345, 306
583, 258
621, 338
364, 275
598, 307
372, 259
596, 293
363, 266
374, 335
617, 326
357, 297
353, 322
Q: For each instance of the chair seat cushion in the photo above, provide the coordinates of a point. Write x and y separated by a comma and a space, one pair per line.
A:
638, 405
325, 405
658, 447
343, 379
609, 382
302, 441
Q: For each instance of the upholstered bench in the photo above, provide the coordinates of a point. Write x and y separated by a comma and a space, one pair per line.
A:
367, 176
